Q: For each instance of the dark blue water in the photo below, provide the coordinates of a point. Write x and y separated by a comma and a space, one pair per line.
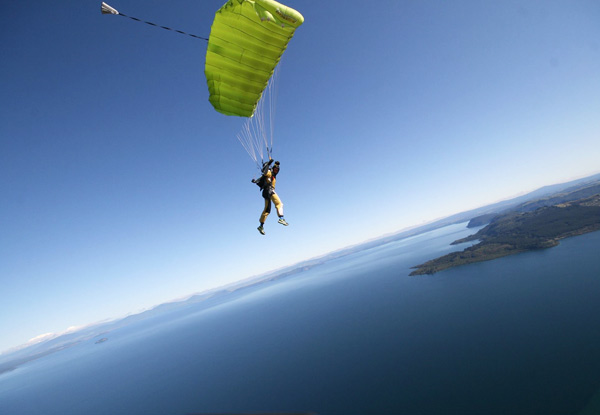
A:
518, 335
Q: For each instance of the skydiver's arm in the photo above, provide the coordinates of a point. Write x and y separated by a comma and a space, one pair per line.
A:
265, 167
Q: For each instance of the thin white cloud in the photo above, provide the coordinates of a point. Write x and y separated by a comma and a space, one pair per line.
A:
41, 338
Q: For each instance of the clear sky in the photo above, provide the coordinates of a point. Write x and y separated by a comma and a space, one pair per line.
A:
121, 188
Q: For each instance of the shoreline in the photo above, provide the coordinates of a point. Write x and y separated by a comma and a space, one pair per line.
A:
515, 233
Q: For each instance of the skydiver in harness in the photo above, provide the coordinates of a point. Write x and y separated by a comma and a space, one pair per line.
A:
267, 184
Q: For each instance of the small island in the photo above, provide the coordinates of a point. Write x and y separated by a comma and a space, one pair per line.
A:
515, 232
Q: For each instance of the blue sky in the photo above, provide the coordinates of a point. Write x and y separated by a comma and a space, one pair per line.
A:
122, 188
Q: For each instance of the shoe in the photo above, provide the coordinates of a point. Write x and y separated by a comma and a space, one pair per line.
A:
283, 222
261, 229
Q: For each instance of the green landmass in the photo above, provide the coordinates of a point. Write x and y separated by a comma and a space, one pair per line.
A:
516, 232
481, 220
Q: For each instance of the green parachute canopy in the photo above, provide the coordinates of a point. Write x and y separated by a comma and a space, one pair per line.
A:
246, 42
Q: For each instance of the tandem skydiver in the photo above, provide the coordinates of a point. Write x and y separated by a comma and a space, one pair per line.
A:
267, 185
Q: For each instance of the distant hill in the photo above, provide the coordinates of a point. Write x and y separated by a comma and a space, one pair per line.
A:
517, 231
546, 196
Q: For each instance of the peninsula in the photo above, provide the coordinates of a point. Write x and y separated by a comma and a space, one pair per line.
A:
515, 232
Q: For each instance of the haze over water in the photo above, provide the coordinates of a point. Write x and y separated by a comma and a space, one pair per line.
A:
355, 335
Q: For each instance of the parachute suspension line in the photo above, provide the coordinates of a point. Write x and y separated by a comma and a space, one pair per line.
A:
106, 9
246, 138
250, 138
259, 127
272, 92
257, 133
250, 144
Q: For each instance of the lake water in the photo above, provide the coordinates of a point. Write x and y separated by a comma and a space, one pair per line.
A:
356, 335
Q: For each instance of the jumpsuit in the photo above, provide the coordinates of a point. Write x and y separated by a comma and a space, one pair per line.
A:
270, 196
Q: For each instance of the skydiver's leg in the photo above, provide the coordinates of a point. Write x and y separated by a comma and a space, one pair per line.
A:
279, 207
264, 215
266, 211
278, 204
